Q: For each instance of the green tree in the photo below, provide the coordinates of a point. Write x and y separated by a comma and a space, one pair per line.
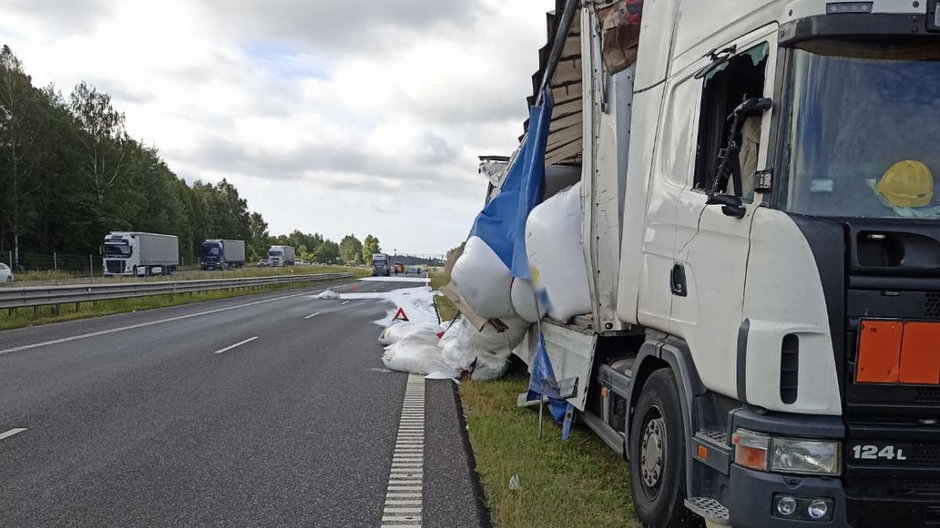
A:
350, 249
369, 246
257, 242
327, 252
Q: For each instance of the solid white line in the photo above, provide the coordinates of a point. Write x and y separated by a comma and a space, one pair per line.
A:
12, 432
148, 323
344, 302
312, 315
240, 343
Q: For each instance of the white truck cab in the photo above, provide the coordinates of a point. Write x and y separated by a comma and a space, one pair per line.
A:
760, 227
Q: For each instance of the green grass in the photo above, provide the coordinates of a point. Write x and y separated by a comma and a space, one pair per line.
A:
577, 483
22, 317
446, 308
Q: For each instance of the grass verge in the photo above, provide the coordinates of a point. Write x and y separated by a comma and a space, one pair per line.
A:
22, 317
577, 483
444, 307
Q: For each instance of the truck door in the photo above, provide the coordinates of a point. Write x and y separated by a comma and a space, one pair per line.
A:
712, 241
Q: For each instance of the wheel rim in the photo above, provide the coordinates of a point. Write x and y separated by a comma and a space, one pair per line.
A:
653, 452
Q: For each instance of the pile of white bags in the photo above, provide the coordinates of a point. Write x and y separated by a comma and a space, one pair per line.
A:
485, 352
416, 355
556, 255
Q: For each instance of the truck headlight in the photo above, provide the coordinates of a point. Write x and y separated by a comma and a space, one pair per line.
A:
786, 455
812, 457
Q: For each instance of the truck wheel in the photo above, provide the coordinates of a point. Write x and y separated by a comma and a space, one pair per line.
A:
657, 456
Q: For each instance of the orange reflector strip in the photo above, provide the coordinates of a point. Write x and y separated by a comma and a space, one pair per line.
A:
879, 352
702, 452
920, 354
751, 457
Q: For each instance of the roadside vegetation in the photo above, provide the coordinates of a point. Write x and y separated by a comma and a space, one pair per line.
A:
575, 483
22, 317
444, 307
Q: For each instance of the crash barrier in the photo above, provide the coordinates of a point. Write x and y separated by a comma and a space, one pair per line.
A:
35, 296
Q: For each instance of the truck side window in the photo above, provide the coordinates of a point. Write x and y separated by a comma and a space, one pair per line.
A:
737, 79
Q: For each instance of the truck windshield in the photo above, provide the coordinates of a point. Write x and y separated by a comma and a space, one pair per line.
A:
861, 130
117, 250
210, 251
275, 253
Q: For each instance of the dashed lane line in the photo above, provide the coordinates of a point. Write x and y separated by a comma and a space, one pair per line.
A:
12, 432
148, 323
312, 315
240, 343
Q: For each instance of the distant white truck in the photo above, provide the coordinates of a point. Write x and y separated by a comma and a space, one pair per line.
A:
281, 256
221, 254
138, 254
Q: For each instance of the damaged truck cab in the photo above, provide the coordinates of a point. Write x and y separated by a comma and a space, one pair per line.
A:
760, 229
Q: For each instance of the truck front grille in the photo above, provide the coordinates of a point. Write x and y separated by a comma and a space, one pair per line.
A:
114, 266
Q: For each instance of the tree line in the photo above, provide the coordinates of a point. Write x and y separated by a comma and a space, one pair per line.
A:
70, 173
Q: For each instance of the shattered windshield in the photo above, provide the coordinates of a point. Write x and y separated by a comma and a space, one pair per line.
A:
862, 130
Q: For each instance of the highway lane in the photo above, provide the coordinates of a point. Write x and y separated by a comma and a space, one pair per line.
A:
145, 424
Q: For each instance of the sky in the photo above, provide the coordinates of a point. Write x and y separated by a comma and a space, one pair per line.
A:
338, 117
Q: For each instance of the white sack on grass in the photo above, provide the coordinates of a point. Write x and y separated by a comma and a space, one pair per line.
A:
523, 301
328, 294
398, 331
415, 355
457, 346
483, 280
556, 255
489, 367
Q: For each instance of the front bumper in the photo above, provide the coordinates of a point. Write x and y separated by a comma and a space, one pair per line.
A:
752, 493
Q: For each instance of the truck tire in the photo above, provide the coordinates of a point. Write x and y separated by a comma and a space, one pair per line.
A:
657, 456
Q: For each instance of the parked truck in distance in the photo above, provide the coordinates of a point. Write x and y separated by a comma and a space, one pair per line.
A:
221, 254
281, 256
138, 254
381, 265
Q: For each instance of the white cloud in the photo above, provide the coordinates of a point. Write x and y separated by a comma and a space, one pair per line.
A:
329, 117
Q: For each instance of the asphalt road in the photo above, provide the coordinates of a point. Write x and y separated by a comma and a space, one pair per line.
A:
156, 419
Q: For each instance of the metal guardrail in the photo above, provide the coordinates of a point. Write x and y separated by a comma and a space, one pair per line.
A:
34, 296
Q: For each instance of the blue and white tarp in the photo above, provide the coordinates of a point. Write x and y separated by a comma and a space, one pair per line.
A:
501, 224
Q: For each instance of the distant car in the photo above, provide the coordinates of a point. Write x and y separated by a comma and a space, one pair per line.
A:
263, 263
300, 262
415, 270
6, 274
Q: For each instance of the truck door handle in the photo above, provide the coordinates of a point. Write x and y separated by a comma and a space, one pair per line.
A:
677, 281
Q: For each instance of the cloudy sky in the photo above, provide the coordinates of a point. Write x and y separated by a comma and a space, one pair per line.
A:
336, 117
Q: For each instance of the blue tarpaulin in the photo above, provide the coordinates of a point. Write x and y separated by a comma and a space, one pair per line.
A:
542, 382
501, 224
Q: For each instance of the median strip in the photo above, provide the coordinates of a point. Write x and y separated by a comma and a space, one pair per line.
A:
240, 343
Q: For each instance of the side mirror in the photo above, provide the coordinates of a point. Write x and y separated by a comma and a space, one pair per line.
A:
730, 205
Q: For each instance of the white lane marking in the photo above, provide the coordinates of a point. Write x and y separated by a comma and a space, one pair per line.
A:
148, 323
312, 315
344, 302
404, 498
240, 343
12, 432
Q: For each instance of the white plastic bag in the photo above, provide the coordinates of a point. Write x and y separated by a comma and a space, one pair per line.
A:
491, 339
457, 346
415, 355
523, 301
556, 255
328, 294
398, 331
489, 367
483, 280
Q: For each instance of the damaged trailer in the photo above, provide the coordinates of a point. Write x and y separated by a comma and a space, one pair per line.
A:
760, 253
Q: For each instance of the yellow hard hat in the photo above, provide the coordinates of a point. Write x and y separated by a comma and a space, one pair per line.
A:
907, 183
